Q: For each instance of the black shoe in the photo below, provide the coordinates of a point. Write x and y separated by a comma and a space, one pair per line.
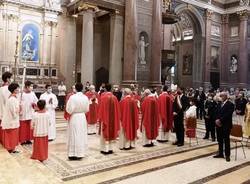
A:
213, 139
127, 148
205, 137
148, 145
50, 140
218, 156
104, 152
181, 144
162, 141
78, 158
72, 158
28, 142
228, 159
110, 152
175, 143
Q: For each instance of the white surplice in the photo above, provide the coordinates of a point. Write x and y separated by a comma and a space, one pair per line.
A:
40, 123
77, 106
50, 107
4, 95
27, 110
11, 111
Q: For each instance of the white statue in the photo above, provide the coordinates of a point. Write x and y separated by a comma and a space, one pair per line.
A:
234, 65
142, 50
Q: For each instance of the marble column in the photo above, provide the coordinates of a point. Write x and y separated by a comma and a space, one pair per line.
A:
208, 49
116, 49
53, 43
46, 42
243, 50
130, 43
155, 66
225, 55
87, 60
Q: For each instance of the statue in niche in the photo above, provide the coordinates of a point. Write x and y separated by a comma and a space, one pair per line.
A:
142, 50
234, 64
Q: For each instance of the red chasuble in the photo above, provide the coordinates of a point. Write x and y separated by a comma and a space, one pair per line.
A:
92, 115
166, 111
109, 116
150, 116
66, 114
129, 117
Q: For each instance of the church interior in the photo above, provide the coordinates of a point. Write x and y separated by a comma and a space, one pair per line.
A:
191, 43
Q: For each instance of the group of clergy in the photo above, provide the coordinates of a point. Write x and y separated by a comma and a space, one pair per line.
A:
112, 118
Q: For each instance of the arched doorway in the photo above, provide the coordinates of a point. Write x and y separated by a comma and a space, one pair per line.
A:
188, 36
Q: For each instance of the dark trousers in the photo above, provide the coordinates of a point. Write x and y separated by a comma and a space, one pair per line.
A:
61, 102
210, 128
179, 129
200, 111
223, 138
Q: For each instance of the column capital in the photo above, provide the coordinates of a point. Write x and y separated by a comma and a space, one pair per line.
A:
208, 14
225, 18
87, 6
243, 14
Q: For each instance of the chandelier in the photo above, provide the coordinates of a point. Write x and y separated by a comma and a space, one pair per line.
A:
169, 16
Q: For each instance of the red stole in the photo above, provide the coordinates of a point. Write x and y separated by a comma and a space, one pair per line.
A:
165, 104
150, 116
109, 116
92, 115
66, 114
129, 117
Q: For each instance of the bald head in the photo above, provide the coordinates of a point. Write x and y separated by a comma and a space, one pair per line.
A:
224, 96
147, 92
127, 91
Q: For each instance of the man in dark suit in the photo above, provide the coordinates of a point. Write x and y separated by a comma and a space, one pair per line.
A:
224, 125
181, 103
200, 98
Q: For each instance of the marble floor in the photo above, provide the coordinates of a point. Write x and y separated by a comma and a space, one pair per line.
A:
162, 163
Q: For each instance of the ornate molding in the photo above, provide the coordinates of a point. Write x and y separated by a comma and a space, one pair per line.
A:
87, 6
209, 13
225, 18
243, 14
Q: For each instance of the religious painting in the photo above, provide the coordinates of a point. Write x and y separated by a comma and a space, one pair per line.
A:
234, 31
187, 64
30, 42
214, 57
215, 30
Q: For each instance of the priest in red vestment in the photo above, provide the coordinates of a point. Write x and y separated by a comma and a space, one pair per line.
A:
92, 115
4, 95
66, 114
109, 117
165, 105
150, 119
129, 121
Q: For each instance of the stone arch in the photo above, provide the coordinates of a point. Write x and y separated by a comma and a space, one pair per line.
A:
195, 15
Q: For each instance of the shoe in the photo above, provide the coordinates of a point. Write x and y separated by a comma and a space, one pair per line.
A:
104, 152
128, 148
228, 159
205, 137
110, 152
72, 158
15, 151
213, 140
50, 140
179, 145
218, 156
175, 143
162, 141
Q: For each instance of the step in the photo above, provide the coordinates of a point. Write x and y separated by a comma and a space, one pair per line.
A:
34, 169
